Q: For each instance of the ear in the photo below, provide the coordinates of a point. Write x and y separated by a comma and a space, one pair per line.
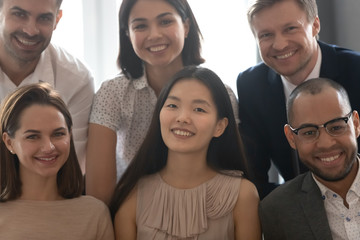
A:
316, 26
220, 127
290, 136
58, 17
8, 142
187, 27
356, 121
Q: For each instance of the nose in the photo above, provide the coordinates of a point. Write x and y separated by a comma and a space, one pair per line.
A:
280, 42
31, 28
47, 145
154, 32
184, 117
325, 140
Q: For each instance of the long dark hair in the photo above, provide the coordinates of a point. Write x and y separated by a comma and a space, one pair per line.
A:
224, 153
131, 65
69, 177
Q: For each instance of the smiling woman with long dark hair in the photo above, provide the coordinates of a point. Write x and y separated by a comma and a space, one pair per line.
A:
187, 179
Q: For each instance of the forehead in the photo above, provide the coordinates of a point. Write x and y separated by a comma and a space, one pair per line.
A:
318, 108
279, 14
149, 9
38, 6
191, 88
41, 117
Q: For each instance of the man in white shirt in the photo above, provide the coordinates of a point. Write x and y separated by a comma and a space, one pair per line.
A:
26, 56
323, 203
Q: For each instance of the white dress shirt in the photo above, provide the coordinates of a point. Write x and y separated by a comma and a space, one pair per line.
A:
344, 222
72, 80
315, 73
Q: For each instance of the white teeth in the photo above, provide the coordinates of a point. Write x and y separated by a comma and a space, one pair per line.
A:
182, 133
285, 55
329, 159
47, 159
25, 42
157, 48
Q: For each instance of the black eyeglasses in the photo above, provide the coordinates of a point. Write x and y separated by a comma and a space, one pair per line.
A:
311, 132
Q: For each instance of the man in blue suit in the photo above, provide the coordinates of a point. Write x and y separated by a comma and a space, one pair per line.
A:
324, 202
286, 32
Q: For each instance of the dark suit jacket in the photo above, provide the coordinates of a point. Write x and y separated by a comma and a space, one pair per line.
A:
294, 211
262, 112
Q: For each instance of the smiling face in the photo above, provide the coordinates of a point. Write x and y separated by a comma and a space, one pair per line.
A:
329, 158
188, 118
157, 33
42, 142
26, 27
287, 40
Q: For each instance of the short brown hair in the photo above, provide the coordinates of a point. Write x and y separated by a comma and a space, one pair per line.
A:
69, 177
309, 7
58, 3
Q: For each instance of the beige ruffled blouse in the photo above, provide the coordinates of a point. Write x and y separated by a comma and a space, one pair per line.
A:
203, 212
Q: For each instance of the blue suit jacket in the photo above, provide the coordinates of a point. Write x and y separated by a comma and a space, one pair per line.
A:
262, 112
294, 211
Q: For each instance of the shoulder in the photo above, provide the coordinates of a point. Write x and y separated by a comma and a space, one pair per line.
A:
91, 203
286, 193
66, 60
252, 73
118, 87
344, 54
248, 192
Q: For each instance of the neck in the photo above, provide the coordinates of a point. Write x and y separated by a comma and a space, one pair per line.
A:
16, 69
39, 189
300, 76
158, 76
186, 171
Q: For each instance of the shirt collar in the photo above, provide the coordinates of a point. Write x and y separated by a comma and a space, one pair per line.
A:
315, 73
43, 72
355, 186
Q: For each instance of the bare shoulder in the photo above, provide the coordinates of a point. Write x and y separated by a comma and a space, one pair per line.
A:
248, 191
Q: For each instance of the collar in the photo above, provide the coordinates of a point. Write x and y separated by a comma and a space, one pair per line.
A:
44, 71
141, 82
315, 73
355, 186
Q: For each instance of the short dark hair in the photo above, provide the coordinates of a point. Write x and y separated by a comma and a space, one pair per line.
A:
224, 153
58, 3
309, 6
131, 65
69, 177
315, 86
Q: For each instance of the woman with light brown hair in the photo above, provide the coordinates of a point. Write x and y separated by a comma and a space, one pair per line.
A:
40, 177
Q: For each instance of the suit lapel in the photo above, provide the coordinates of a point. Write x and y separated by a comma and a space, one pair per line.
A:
314, 210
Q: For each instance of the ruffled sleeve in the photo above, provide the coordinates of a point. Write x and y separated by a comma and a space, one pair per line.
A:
184, 213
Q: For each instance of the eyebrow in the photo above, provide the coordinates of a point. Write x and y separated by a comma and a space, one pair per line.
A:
16, 8
197, 101
144, 19
36, 131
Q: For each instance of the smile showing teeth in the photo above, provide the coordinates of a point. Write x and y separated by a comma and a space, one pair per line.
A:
26, 42
183, 133
285, 55
47, 159
157, 48
330, 159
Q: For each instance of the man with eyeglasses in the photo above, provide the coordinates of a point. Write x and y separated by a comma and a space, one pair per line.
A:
323, 203
286, 33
